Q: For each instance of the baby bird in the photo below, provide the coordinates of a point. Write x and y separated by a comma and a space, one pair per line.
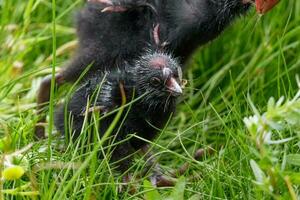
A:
154, 80
112, 31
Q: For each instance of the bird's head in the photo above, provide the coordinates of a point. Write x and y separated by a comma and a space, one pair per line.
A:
159, 74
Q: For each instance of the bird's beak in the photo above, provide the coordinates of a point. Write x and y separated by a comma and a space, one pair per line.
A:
174, 87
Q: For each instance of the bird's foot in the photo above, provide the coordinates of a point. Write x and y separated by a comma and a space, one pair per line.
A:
159, 179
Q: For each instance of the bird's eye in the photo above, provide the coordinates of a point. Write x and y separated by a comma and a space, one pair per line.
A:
155, 81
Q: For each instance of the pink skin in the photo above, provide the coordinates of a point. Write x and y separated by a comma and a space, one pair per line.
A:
114, 9
110, 7
158, 63
156, 35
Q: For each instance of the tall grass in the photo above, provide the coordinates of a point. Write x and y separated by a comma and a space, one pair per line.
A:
255, 59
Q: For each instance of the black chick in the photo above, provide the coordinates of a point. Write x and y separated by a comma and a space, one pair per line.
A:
154, 79
112, 31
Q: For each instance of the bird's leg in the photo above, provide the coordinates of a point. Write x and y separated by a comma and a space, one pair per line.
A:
122, 156
151, 161
43, 97
123, 5
199, 154
158, 178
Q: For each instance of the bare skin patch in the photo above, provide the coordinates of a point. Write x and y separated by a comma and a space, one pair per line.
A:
158, 62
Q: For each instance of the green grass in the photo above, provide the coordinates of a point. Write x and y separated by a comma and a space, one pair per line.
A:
255, 59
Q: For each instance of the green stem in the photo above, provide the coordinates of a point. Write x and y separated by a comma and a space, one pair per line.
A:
290, 187
1, 180
16, 192
51, 103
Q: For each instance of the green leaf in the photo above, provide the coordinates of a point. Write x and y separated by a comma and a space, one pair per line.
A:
152, 193
271, 104
293, 159
258, 173
178, 191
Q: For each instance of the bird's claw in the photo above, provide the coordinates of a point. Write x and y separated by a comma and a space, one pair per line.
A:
158, 179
